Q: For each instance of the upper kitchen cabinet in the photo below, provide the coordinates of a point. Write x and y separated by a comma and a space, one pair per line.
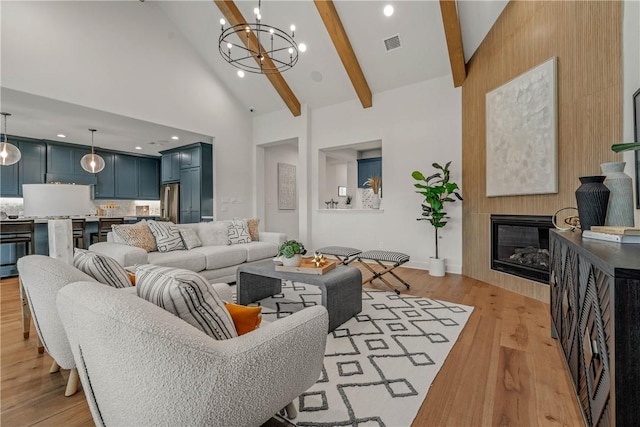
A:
171, 167
128, 177
105, 187
190, 157
63, 164
30, 169
148, 178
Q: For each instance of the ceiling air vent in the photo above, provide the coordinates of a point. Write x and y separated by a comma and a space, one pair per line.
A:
392, 43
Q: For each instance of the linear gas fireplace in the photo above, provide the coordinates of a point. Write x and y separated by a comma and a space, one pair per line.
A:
520, 245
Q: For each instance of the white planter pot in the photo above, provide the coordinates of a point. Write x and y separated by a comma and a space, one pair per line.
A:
436, 267
375, 201
294, 261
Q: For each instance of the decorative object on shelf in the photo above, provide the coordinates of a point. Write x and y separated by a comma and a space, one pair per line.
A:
593, 198
437, 191
318, 259
9, 153
562, 220
281, 54
290, 253
342, 191
375, 183
347, 201
522, 135
92, 163
620, 209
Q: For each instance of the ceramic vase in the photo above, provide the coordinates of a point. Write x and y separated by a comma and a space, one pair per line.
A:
620, 210
592, 198
436, 267
375, 201
294, 261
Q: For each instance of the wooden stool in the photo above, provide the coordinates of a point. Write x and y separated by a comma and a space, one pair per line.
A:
79, 227
104, 227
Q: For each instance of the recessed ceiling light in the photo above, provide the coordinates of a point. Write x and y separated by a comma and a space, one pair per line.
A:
302, 47
388, 10
240, 73
175, 138
138, 148
61, 135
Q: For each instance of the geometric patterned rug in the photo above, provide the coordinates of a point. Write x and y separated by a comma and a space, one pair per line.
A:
379, 365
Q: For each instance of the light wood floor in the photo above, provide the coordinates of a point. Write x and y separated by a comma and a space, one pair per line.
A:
504, 370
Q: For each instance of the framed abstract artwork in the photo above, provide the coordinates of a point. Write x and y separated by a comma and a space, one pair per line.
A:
521, 144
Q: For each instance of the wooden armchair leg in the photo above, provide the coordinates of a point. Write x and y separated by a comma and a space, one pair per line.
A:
72, 383
54, 367
40, 346
25, 311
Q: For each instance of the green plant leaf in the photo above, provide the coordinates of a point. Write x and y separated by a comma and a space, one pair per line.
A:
626, 146
437, 166
417, 176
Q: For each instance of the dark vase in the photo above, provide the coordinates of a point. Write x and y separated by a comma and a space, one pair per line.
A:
593, 198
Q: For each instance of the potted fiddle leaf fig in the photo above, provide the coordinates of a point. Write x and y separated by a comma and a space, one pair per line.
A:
437, 191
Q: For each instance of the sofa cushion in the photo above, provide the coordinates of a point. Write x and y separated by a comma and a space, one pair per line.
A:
254, 224
102, 268
167, 236
179, 259
214, 233
137, 235
259, 250
239, 232
187, 295
190, 238
221, 256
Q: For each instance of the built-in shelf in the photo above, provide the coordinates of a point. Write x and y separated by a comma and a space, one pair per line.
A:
352, 210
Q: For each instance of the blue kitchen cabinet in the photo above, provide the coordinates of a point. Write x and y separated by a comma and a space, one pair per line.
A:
171, 167
9, 181
30, 169
105, 187
148, 178
190, 195
190, 158
63, 164
368, 168
126, 176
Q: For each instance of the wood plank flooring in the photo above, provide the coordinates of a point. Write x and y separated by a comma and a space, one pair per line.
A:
505, 369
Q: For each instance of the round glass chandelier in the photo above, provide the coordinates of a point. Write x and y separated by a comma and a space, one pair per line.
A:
9, 153
251, 55
92, 163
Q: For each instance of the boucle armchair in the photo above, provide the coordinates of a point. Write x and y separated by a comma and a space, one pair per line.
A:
141, 365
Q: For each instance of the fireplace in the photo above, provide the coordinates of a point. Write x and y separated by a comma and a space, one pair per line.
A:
520, 245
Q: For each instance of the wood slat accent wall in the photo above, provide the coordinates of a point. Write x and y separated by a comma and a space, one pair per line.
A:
586, 37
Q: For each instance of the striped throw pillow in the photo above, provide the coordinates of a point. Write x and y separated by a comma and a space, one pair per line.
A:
238, 232
187, 295
104, 269
167, 236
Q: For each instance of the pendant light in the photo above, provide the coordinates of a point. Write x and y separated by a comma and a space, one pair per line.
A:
9, 153
92, 163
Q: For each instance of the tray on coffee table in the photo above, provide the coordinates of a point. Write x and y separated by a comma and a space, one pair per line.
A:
307, 266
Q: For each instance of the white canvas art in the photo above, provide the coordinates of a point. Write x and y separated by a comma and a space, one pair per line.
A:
522, 134
286, 187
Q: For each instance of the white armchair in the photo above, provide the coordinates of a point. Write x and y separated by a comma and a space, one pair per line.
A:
141, 365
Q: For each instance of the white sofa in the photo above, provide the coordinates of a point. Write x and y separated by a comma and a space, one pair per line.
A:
215, 260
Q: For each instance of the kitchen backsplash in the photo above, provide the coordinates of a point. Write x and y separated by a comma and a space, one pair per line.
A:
14, 206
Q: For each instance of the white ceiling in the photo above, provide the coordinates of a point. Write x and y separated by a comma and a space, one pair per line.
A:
423, 56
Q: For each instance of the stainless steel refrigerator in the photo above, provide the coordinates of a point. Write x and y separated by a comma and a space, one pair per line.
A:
170, 202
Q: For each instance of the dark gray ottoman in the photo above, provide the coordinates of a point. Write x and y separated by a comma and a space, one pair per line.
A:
341, 287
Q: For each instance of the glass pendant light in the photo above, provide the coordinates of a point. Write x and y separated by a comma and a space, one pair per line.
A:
9, 153
92, 163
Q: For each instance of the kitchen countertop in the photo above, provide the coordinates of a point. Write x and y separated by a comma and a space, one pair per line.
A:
89, 218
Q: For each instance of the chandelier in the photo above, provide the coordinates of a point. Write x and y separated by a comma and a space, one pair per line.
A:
9, 153
281, 53
92, 163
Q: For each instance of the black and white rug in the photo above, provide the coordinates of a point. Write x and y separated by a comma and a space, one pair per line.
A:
378, 366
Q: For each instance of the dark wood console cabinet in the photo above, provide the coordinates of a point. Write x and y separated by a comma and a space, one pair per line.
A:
595, 315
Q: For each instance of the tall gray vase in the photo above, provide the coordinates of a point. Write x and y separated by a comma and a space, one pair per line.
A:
620, 211
592, 198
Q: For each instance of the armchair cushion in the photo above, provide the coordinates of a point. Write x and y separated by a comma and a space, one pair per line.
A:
102, 268
245, 319
187, 295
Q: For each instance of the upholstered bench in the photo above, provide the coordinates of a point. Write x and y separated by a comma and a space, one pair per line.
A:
344, 254
393, 260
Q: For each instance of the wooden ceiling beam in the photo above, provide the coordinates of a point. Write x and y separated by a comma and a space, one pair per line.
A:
453, 34
338, 35
233, 16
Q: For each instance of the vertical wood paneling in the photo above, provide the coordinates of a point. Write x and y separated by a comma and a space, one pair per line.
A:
586, 39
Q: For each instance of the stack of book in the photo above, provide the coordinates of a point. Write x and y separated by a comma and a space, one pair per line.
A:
613, 234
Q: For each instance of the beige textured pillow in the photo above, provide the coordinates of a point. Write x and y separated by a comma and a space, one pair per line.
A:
253, 224
137, 235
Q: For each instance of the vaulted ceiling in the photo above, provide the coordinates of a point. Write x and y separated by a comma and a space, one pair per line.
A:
320, 78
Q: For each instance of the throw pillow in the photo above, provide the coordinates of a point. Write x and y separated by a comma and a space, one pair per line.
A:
187, 295
214, 233
253, 224
167, 236
137, 235
190, 238
245, 319
238, 232
102, 268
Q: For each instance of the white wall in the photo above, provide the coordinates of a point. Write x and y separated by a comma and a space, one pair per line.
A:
630, 81
418, 125
128, 58
283, 221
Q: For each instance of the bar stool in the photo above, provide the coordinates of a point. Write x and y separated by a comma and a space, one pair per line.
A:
79, 228
104, 227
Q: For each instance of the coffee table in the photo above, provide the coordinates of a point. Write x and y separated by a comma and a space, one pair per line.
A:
341, 288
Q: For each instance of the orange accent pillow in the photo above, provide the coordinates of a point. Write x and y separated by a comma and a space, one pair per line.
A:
132, 277
245, 319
